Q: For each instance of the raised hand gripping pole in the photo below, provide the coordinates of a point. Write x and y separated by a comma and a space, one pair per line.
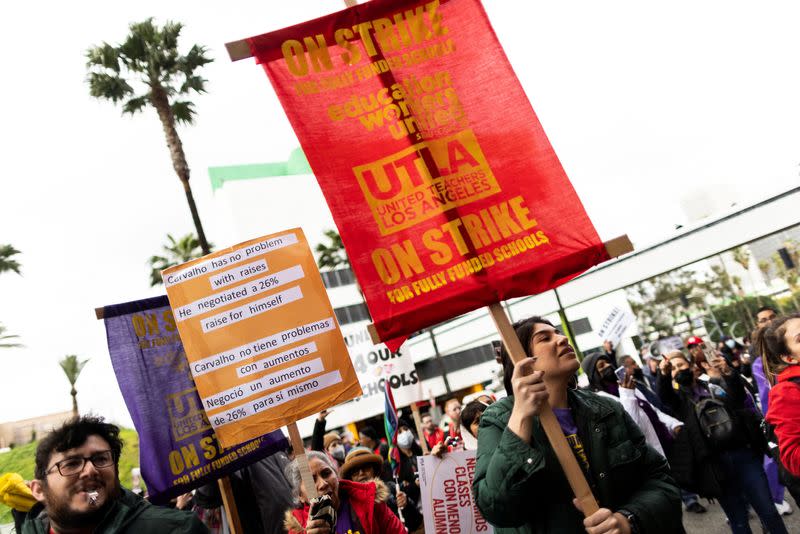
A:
578, 483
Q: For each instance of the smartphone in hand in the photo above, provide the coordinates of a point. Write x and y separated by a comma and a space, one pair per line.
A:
620, 372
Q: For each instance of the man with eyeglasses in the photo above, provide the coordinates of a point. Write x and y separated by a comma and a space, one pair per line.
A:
78, 489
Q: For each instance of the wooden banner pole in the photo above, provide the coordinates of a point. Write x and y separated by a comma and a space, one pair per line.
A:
578, 483
302, 461
418, 422
229, 503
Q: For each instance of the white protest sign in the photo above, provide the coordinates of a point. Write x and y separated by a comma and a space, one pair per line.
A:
374, 365
448, 504
615, 325
669, 344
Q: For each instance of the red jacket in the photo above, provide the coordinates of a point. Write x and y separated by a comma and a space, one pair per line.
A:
368, 505
784, 415
433, 439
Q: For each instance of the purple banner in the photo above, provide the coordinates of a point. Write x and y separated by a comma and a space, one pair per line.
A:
177, 447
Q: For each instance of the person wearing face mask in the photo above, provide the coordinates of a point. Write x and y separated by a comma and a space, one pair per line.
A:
334, 447
658, 428
519, 485
330, 442
719, 452
409, 450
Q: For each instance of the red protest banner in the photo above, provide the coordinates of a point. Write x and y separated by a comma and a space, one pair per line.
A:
445, 188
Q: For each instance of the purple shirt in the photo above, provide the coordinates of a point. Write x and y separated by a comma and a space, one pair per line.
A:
570, 429
564, 416
344, 522
763, 384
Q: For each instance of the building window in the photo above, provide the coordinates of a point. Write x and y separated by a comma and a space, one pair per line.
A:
337, 278
455, 362
352, 314
580, 326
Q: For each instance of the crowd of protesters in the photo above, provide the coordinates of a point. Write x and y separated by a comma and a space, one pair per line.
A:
710, 421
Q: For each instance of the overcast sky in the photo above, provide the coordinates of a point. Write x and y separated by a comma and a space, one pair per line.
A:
644, 104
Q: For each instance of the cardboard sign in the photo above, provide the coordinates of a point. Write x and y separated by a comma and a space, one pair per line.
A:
260, 335
445, 188
615, 325
177, 447
448, 504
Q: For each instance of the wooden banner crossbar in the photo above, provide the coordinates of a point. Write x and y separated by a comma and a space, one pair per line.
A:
241, 49
238, 50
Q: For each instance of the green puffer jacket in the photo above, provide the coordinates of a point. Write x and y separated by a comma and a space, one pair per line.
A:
521, 488
130, 515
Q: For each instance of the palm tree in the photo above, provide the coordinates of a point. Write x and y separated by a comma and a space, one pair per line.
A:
149, 60
6, 263
790, 276
766, 270
333, 255
72, 368
177, 252
5, 339
741, 255
723, 286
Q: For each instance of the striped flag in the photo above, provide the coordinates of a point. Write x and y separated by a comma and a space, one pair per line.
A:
390, 424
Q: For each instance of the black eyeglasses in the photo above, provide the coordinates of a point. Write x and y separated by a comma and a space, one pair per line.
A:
73, 465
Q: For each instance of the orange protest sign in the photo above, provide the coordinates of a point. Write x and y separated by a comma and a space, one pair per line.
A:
260, 335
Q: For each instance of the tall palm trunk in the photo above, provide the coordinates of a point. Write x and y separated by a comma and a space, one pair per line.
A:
158, 97
74, 394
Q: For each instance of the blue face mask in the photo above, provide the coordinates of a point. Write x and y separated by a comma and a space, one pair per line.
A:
730, 343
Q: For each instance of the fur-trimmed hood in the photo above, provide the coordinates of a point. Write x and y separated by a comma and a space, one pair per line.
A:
358, 494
